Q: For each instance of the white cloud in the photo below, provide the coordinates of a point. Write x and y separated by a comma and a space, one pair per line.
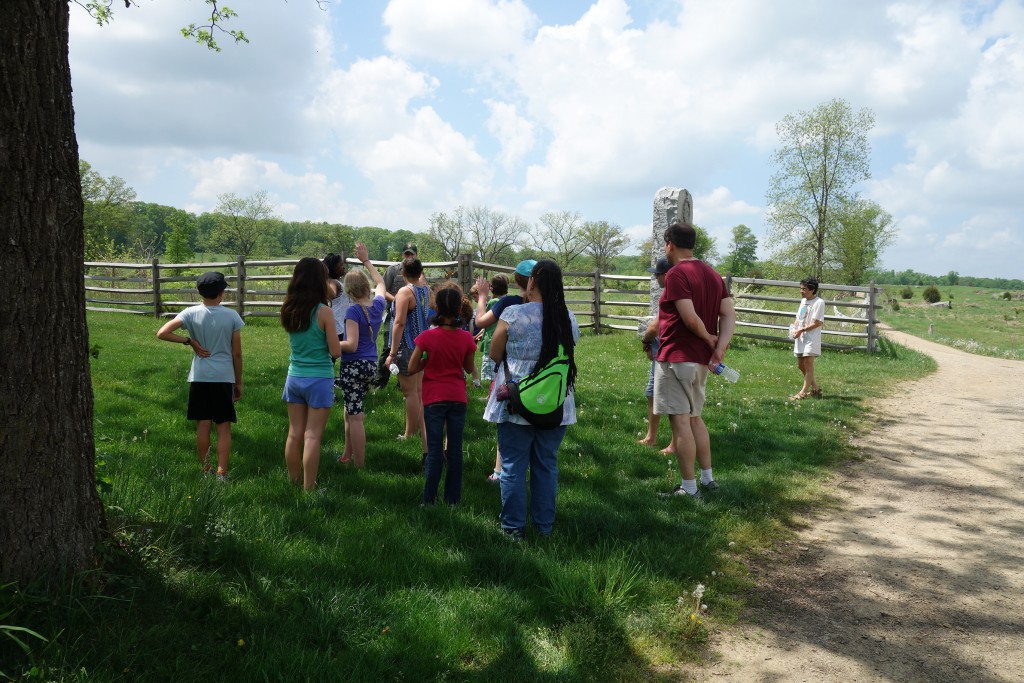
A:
514, 133
461, 31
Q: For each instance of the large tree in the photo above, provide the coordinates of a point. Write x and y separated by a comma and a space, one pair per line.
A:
51, 518
244, 220
449, 232
865, 230
742, 251
492, 234
604, 242
823, 154
561, 234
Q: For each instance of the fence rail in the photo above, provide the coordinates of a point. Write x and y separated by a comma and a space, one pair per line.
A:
255, 291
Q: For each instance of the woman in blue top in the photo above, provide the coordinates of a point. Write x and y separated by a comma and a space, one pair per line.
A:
359, 352
309, 389
526, 336
412, 305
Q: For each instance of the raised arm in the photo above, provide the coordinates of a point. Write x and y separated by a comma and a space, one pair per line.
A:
364, 257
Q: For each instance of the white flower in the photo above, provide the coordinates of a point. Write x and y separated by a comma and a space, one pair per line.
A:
698, 592
732, 543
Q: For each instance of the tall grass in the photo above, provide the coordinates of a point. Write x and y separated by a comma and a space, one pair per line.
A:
255, 580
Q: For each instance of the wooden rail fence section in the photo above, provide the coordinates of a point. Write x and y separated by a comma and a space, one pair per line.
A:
600, 301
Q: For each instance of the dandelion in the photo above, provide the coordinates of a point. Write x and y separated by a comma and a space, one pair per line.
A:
733, 426
714, 573
698, 592
241, 643
703, 607
732, 543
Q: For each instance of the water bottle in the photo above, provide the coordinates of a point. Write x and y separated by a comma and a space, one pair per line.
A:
727, 373
393, 368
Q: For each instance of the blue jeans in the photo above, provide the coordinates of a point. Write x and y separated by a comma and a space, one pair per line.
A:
526, 447
438, 418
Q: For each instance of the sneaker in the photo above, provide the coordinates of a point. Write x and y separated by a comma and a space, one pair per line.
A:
402, 437
476, 383
513, 534
680, 491
222, 477
710, 486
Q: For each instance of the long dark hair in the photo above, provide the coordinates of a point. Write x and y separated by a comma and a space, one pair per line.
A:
306, 289
556, 326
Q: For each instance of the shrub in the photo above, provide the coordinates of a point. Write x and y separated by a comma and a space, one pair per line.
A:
907, 293
1007, 295
931, 294
895, 305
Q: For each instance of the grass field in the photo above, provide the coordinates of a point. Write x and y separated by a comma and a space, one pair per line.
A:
980, 321
255, 580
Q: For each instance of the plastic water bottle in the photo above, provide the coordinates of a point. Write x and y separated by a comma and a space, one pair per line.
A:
727, 373
393, 368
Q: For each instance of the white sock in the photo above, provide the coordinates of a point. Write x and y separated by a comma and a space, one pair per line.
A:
705, 476
690, 486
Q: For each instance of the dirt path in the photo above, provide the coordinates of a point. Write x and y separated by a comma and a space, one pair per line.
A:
918, 573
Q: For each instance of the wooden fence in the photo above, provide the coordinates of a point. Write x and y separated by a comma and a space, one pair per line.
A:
599, 301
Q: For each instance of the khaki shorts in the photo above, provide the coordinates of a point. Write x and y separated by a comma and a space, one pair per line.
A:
679, 388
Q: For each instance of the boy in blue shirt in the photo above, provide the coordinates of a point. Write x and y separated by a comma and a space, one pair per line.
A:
215, 378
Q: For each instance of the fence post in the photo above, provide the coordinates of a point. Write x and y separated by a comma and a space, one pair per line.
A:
872, 306
728, 284
597, 301
240, 285
156, 288
465, 272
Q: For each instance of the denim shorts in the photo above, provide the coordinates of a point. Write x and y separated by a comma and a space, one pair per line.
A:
315, 392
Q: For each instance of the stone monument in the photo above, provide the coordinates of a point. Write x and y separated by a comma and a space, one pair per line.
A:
671, 204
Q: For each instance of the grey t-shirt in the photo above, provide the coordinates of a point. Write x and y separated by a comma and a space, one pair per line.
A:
212, 327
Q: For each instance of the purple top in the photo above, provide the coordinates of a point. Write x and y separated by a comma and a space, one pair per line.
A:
367, 349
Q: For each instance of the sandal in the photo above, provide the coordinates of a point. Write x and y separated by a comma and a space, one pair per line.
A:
816, 393
798, 397
344, 459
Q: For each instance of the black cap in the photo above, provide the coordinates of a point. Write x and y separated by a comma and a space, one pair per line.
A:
211, 284
410, 248
661, 267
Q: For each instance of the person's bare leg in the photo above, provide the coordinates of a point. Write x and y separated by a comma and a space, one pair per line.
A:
203, 428
297, 414
810, 384
355, 438
702, 442
685, 445
223, 446
315, 423
653, 421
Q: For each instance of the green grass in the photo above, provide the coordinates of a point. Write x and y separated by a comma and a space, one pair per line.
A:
258, 581
980, 320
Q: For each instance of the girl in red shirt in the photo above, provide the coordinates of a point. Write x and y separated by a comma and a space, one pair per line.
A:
444, 353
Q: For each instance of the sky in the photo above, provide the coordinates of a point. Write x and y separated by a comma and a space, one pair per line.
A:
366, 112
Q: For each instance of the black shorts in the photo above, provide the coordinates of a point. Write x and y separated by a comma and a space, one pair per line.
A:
212, 401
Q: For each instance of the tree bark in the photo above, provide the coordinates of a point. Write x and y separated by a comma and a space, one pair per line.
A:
51, 517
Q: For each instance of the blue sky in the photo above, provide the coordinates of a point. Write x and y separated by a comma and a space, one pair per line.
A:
382, 113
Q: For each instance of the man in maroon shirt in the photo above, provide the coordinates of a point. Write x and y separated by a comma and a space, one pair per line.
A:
697, 320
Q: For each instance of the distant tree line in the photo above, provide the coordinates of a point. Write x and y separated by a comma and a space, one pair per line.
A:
118, 227
952, 278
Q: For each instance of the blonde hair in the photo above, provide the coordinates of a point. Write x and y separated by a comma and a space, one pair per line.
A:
356, 284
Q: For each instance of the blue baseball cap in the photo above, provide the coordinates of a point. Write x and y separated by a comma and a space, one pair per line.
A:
661, 267
525, 268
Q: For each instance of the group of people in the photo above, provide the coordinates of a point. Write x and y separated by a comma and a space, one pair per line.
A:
688, 337
333, 314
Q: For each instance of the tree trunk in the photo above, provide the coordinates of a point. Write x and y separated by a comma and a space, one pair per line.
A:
50, 514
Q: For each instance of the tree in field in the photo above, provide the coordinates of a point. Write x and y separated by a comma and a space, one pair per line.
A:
178, 244
243, 221
864, 230
604, 242
704, 247
952, 278
560, 233
493, 235
449, 232
51, 518
823, 155
106, 213
742, 251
